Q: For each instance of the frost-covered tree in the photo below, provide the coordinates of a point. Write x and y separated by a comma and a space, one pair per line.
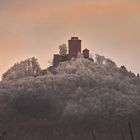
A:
63, 49
110, 63
35, 67
28, 67
80, 88
99, 59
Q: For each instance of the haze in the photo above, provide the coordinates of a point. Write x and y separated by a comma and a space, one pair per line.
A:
37, 27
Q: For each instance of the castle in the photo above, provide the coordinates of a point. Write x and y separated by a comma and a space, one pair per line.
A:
74, 48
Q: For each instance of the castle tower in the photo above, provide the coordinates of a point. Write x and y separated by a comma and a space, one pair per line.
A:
86, 53
74, 45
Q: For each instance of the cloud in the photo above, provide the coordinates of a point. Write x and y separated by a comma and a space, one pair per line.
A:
49, 12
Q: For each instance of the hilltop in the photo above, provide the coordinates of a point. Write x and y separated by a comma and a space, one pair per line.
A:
79, 88
79, 94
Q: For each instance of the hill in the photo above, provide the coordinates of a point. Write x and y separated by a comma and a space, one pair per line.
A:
92, 92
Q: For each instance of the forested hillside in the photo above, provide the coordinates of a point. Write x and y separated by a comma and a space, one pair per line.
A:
81, 90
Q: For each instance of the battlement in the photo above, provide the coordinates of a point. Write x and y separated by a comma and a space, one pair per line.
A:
74, 38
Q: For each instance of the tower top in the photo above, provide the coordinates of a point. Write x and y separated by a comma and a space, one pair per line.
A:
74, 38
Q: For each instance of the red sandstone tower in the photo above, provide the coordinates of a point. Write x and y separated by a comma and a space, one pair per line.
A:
74, 45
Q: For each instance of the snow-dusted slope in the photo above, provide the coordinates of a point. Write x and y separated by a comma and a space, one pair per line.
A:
79, 88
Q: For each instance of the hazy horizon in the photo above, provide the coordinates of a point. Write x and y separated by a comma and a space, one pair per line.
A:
37, 27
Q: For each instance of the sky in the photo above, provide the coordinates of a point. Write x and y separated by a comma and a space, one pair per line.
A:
37, 27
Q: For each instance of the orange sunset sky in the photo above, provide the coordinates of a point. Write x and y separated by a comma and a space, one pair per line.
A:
37, 27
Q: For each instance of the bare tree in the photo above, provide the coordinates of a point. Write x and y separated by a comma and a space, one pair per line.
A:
92, 134
131, 131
